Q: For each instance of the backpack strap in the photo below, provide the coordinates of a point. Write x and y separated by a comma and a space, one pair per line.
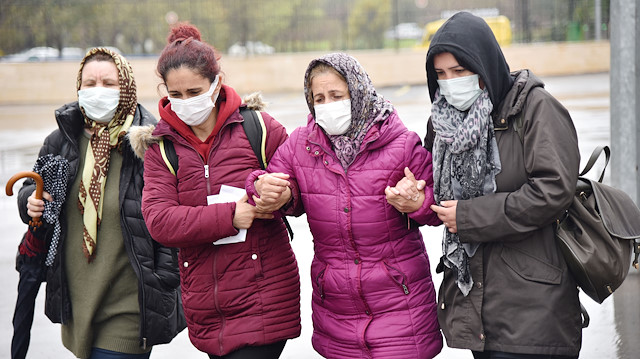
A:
594, 157
253, 126
256, 132
169, 155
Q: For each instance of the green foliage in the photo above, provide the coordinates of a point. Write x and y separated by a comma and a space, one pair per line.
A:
141, 26
368, 21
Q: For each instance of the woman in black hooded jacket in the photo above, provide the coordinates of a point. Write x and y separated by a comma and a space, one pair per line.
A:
505, 160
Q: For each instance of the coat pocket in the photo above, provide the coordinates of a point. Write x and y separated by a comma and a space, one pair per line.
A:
396, 276
320, 283
318, 270
530, 267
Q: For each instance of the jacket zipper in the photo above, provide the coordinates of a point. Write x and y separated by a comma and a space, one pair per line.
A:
215, 299
205, 167
206, 176
143, 319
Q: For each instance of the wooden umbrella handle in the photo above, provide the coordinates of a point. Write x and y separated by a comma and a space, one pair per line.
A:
35, 222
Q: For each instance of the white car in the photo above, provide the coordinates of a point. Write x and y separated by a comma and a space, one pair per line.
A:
405, 30
250, 48
34, 54
42, 53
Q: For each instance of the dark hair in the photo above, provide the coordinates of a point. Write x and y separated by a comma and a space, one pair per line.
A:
186, 48
99, 56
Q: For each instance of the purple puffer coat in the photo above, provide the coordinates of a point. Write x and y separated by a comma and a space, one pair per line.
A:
373, 296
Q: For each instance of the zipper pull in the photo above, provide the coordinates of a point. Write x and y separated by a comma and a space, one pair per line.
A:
206, 171
405, 288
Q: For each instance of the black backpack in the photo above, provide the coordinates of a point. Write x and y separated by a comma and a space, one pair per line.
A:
256, 132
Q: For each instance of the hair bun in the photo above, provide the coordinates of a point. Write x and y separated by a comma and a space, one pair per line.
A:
183, 31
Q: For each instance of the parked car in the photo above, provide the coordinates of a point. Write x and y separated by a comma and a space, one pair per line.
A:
250, 48
34, 54
404, 31
43, 53
72, 53
500, 25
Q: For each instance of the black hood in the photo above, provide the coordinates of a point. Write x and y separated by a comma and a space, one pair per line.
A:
470, 40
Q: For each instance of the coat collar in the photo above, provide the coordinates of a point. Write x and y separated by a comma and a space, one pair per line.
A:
513, 103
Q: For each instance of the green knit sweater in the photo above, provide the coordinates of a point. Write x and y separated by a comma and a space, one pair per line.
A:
103, 293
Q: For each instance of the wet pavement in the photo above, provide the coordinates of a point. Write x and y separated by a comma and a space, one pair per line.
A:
613, 330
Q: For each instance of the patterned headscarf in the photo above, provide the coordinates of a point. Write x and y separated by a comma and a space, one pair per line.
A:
367, 107
465, 165
105, 137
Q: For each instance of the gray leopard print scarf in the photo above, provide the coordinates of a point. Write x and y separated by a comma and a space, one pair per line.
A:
465, 165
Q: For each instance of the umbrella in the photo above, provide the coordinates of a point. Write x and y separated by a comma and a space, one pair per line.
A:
29, 266
50, 174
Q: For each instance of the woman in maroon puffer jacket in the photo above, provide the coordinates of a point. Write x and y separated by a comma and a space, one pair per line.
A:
239, 298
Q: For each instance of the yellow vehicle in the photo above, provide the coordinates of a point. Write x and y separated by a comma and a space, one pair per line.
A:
500, 25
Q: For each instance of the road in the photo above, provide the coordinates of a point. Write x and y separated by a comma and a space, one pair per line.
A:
611, 335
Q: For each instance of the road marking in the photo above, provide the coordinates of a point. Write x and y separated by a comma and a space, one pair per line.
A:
402, 90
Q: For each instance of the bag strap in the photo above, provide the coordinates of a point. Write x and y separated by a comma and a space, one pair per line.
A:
585, 316
169, 155
256, 131
253, 126
594, 157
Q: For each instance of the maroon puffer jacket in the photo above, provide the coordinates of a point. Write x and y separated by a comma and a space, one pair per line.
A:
234, 295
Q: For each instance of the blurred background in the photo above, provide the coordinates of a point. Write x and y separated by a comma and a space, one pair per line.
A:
64, 29
586, 51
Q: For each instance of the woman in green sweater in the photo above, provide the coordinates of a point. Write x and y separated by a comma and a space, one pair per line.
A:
114, 290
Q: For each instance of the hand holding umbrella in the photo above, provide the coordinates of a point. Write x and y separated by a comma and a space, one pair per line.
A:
35, 222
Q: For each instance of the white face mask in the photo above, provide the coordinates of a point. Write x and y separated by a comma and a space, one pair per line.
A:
460, 92
99, 103
334, 117
195, 110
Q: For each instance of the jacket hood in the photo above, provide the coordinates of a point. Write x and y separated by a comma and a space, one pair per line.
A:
141, 137
470, 40
524, 81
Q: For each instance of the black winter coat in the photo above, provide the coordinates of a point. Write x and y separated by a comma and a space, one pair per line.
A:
156, 266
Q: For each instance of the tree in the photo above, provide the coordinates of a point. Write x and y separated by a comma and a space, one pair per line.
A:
368, 21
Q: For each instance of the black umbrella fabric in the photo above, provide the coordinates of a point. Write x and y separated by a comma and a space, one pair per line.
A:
30, 265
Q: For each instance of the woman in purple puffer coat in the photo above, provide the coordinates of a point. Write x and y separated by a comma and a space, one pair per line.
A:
373, 296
